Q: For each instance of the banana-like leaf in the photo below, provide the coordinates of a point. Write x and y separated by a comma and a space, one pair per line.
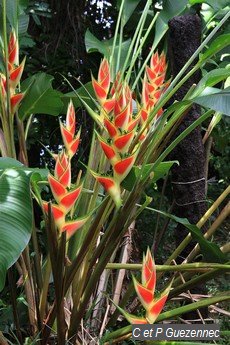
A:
128, 9
159, 172
93, 44
40, 96
218, 44
216, 99
210, 79
86, 92
15, 217
15, 210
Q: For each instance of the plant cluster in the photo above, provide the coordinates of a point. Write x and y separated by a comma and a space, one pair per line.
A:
86, 220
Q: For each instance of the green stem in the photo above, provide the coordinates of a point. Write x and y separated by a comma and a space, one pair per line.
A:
37, 258
119, 48
181, 137
116, 32
168, 268
107, 339
201, 222
45, 288
116, 229
13, 296
171, 89
193, 282
219, 220
59, 290
139, 50
81, 276
10, 122
136, 37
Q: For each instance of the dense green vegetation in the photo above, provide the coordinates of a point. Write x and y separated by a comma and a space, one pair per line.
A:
114, 152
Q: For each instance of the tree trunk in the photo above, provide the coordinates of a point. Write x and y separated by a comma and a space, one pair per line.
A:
188, 178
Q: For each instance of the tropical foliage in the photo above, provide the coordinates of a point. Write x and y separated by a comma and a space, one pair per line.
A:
64, 262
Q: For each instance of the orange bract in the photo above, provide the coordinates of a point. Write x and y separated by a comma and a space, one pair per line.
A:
60, 183
15, 72
121, 123
145, 291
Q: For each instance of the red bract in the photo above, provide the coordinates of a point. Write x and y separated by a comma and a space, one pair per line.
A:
60, 183
146, 291
101, 86
71, 141
153, 87
120, 124
12, 51
110, 185
116, 113
15, 73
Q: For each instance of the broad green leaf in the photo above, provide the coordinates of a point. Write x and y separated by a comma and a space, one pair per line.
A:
128, 9
171, 8
105, 47
11, 163
211, 78
85, 92
159, 172
15, 218
11, 11
23, 23
40, 97
6, 163
215, 4
216, 99
218, 44
16, 16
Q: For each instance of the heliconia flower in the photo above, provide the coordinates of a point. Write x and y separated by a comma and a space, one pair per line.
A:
58, 190
102, 84
71, 141
145, 292
111, 128
12, 51
63, 169
72, 226
109, 151
15, 75
70, 198
3, 86
121, 125
66, 198
60, 183
57, 212
15, 72
132, 319
152, 88
123, 167
111, 186
15, 102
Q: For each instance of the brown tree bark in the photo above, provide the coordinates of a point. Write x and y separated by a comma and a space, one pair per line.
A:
188, 178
